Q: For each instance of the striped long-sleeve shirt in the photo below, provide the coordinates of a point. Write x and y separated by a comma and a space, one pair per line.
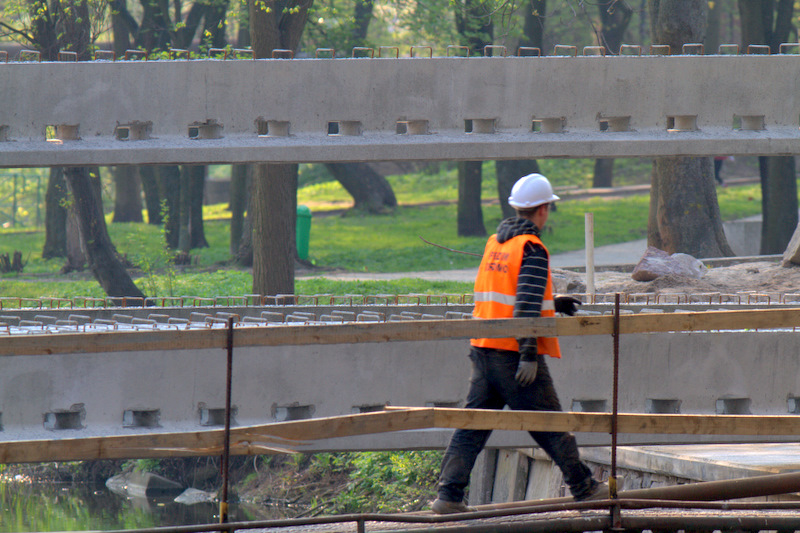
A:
532, 278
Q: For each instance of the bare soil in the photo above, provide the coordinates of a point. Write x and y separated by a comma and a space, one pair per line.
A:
763, 277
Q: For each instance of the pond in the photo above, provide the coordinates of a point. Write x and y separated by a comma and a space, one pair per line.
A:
27, 506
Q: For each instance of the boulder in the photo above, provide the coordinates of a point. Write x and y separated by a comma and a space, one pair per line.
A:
656, 263
192, 496
143, 485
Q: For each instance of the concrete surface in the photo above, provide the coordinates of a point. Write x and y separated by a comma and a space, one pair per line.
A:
212, 111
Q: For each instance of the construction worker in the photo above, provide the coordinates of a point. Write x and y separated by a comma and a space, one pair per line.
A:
514, 280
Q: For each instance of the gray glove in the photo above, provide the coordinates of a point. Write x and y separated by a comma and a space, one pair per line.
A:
526, 372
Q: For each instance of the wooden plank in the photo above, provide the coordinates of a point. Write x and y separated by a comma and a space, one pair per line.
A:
281, 437
248, 440
691, 321
194, 339
424, 330
627, 422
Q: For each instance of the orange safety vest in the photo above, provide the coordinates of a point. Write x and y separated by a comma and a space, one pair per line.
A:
496, 291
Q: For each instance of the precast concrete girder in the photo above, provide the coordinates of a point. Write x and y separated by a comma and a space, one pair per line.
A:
329, 110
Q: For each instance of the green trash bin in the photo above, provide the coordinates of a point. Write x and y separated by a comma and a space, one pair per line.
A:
303, 231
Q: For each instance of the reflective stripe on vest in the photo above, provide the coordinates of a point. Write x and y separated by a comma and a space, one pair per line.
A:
496, 291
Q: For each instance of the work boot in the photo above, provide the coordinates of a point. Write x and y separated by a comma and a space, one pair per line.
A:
441, 506
597, 491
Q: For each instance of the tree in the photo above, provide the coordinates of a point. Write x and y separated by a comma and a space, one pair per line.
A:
275, 24
508, 172
770, 23
684, 213
152, 197
474, 25
370, 191
103, 259
240, 178
615, 17
127, 194
55, 215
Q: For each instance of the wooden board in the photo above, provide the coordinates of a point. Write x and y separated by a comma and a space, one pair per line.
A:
249, 440
424, 330
282, 437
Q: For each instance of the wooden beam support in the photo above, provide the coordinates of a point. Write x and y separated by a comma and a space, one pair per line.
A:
249, 440
282, 437
422, 330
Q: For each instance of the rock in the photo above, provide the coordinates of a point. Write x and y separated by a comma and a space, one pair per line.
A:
655, 263
142, 485
791, 257
192, 496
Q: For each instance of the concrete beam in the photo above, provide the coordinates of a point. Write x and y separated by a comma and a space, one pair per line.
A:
210, 111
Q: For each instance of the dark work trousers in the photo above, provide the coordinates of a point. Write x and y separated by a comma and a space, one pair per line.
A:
492, 386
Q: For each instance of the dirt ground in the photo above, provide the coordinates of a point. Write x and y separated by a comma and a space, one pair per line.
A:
764, 277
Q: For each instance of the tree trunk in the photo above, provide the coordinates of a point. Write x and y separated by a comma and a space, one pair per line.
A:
184, 211
535, 17
100, 252
614, 18
508, 172
214, 25
169, 187
274, 249
152, 198
55, 215
128, 194
470, 214
244, 255
778, 203
76, 257
603, 172
684, 213
274, 202
240, 175
123, 25
362, 15
370, 191
197, 185
778, 179
712, 41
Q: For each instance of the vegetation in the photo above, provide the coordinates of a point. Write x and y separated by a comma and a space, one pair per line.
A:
356, 242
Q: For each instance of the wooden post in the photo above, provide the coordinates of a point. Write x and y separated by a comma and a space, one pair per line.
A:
589, 237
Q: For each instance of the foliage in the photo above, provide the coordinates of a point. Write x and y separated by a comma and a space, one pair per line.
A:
388, 482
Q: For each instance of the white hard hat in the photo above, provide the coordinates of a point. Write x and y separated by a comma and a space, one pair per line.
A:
530, 191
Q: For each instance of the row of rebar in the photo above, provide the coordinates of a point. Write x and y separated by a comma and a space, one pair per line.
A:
75, 323
351, 300
559, 50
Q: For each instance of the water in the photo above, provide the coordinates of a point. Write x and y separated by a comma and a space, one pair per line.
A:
26, 506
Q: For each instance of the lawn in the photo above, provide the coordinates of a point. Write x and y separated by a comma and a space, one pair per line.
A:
358, 242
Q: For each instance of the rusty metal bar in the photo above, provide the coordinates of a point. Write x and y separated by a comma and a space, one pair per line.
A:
226, 453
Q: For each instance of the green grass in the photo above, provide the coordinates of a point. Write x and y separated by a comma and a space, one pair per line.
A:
360, 242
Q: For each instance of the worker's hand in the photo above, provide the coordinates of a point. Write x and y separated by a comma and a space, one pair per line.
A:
526, 372
567, 305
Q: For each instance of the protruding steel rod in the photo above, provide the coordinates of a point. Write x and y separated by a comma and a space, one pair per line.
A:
226, 450
616, 514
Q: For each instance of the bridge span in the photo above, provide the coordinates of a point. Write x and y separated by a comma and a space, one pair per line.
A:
81, 373
440, 108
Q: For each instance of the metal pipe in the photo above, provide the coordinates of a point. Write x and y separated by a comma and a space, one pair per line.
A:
615, 511
428, 518
226, 450
750, 487
612, 482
